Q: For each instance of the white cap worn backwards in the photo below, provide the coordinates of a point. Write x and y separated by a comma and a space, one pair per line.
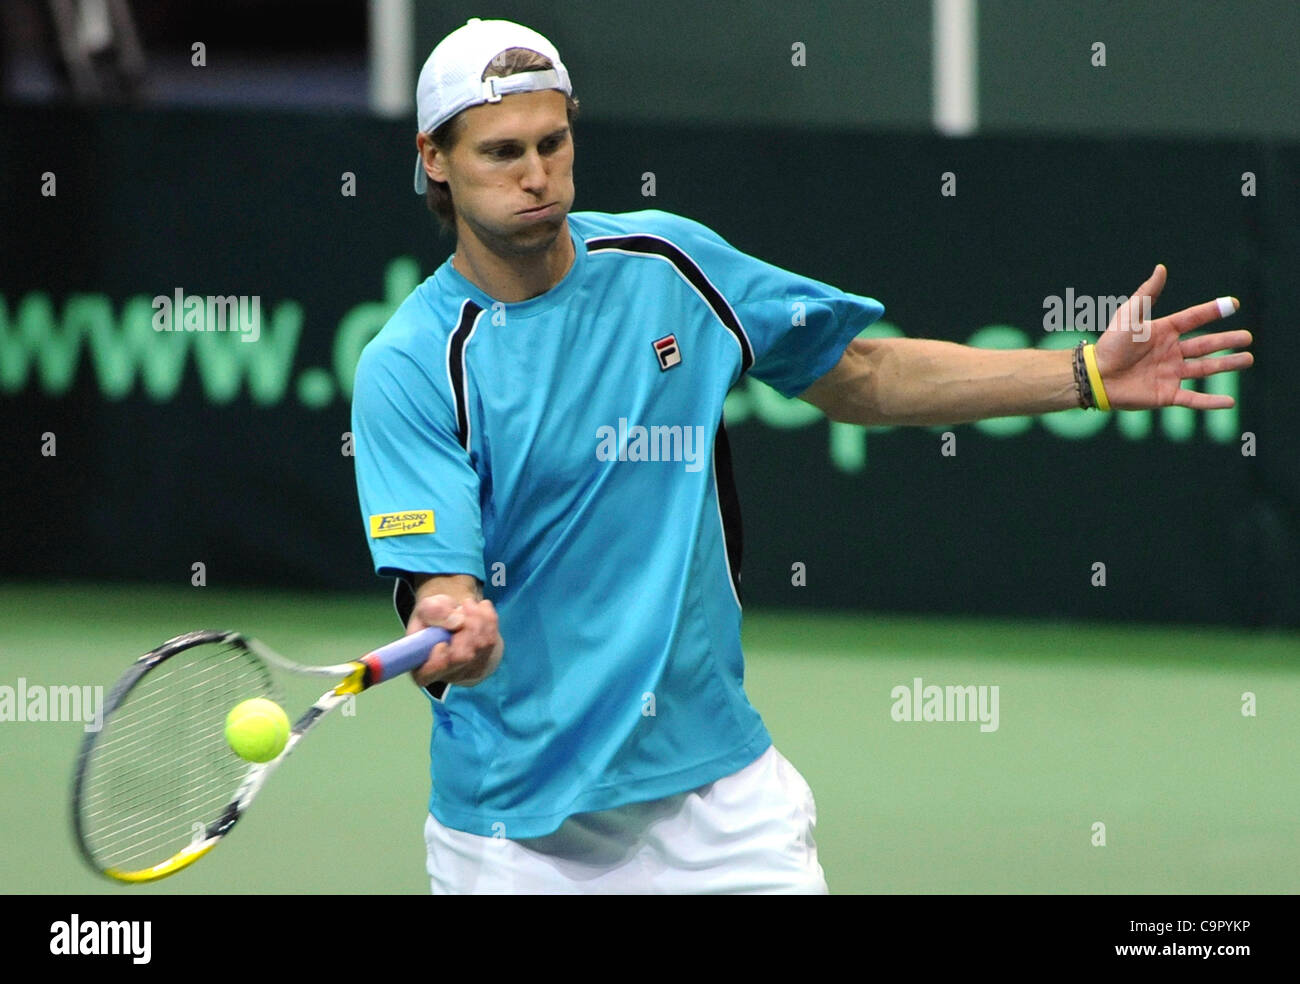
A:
452, 78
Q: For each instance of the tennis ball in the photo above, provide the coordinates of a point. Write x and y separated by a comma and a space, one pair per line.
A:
257, 729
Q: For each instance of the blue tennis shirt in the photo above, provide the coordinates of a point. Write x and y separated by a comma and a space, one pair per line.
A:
568, 451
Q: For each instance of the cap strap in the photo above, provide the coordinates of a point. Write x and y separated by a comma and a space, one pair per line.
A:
495, 87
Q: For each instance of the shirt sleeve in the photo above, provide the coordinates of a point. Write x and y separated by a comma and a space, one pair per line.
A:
418, 488
797, 327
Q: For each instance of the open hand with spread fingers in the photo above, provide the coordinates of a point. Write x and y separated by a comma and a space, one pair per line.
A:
1144, 361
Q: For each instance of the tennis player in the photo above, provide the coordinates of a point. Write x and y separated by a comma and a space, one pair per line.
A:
542, 466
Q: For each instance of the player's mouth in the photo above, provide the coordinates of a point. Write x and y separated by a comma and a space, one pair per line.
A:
541, 212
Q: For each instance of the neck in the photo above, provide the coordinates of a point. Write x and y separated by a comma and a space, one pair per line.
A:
513, 278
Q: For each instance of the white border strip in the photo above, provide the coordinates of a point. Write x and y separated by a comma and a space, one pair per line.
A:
392, 33
954, 60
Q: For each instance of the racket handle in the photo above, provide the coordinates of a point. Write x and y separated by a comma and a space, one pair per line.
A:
404, 655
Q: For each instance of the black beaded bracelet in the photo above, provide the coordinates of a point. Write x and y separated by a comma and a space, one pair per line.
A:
1081, 384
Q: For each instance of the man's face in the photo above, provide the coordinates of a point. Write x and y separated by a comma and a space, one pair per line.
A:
511, 157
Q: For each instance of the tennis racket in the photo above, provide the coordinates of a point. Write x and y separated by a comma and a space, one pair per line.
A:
157, 787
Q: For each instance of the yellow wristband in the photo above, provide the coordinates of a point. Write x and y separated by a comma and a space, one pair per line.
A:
1094, 378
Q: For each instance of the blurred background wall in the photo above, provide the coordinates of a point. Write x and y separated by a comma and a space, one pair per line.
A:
1197, 67
264, 150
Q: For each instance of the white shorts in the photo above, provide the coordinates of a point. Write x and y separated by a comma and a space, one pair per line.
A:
749, 832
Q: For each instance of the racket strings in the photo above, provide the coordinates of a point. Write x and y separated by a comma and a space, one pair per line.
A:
161, 771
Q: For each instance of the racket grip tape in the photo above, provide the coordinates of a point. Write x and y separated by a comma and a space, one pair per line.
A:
404, 655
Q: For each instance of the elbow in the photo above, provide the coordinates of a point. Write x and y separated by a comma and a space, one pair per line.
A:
850, 392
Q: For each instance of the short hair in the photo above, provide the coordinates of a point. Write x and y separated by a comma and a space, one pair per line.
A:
437, 194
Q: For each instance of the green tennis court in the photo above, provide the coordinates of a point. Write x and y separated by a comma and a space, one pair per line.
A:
1138, 728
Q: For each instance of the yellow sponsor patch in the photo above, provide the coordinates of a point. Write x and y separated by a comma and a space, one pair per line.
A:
402, 523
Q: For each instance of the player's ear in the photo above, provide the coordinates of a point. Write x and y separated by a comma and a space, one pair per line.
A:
434, 159
438, 164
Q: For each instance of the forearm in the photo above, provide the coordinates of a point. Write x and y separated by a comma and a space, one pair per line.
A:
925, 381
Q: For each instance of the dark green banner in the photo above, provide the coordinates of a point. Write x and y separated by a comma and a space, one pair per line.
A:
137, 446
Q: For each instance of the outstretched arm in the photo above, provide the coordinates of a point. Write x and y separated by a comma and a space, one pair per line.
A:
1141, 362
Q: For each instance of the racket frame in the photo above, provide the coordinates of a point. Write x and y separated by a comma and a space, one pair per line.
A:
353, 677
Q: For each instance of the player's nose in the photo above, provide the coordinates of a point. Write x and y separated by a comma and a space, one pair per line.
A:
534, 175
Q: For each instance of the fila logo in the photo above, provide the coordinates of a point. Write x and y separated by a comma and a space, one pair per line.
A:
667, 352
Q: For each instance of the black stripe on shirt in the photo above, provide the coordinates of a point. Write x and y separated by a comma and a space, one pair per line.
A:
654, 246
728, 504
469, 312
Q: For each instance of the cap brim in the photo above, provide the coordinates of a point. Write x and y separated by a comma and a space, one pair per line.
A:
421, 185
